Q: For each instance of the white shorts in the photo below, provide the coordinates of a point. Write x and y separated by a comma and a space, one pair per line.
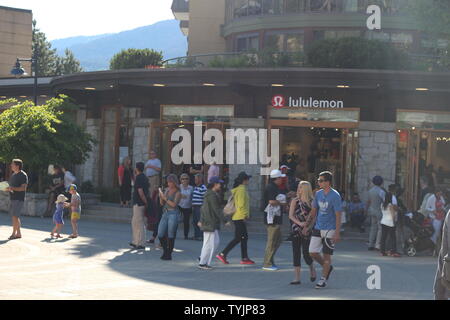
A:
321, 241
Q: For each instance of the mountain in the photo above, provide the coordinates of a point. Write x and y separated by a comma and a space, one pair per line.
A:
95, 52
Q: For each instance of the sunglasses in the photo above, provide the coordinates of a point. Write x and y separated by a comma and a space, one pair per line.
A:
321, 180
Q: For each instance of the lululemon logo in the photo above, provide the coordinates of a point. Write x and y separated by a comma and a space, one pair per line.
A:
278, 101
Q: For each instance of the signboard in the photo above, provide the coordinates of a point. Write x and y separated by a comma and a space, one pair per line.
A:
280, 101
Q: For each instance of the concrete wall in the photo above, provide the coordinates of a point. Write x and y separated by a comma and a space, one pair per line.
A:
206, 19
141, 144
15, 38
377, 154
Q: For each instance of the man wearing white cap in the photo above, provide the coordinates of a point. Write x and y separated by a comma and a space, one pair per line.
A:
275, 201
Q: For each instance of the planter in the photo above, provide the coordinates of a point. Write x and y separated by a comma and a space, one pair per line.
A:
36, 203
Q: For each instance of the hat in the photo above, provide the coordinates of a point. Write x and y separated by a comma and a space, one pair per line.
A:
215, 180
377, 180
276, 174
284, 166
72, 187
243, 175
61, 199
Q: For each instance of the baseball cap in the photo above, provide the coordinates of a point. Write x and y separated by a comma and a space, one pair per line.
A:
215, 180
72, 187
276, 174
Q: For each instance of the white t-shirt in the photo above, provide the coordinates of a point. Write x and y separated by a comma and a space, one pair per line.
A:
69, 179
387, 218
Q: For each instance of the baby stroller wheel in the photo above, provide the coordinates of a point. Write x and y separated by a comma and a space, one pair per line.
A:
411, 251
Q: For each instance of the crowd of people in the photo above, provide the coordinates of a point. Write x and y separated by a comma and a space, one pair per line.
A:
316, 216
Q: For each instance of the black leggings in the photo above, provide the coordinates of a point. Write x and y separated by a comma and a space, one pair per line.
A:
385, 233
240, 236
299, 245
186, 216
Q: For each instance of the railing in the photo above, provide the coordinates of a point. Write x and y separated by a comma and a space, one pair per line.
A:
236, 9
416, 62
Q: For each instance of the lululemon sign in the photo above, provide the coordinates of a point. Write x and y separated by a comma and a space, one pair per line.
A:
278, 101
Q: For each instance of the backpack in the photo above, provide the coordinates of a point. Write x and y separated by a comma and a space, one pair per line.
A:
230, 207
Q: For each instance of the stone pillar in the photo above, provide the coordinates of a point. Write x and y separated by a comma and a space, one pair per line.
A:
89, 170
141, 138
256, 186
377, 154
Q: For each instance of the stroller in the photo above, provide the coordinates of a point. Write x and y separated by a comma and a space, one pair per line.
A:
421, 232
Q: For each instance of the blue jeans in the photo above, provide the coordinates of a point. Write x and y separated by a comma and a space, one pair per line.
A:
195, 219
168, 224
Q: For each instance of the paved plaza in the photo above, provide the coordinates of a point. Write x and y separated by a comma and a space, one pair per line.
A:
100, 265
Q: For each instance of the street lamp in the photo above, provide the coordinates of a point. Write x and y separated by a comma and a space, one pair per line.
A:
18, 71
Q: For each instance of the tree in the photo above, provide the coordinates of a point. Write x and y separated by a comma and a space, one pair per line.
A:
43, 135
356, 53
49, 63
135, 59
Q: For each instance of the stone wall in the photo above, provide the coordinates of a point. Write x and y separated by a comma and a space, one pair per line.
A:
89, 170
256, 186
141, 138
377, 155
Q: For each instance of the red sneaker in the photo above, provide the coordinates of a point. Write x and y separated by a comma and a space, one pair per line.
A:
222, 259
247, 261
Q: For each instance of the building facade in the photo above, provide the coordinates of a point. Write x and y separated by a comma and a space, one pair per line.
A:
15, 38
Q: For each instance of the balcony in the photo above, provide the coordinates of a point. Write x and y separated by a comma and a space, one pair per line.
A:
180, 9
184, 26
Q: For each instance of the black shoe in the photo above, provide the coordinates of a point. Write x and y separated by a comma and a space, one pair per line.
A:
166, 257
371, 249
132, 245
151, 241
329, 272
140, 248
295, 282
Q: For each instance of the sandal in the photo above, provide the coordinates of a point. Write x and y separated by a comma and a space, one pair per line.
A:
14, 238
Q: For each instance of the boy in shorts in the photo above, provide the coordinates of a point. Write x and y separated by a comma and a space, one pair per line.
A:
75, 208
327, 208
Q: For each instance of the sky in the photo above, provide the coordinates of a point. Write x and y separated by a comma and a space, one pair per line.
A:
62, 19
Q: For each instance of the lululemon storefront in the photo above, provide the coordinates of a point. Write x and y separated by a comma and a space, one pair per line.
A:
351, 122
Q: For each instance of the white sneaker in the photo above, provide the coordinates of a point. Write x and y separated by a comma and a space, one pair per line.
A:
321, 284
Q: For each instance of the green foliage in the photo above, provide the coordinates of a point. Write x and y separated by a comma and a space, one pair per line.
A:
264, 58
110, 195
40, 135
432, 16
135, 59
49, 63
356, 53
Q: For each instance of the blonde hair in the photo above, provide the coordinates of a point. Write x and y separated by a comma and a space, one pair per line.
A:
307, 194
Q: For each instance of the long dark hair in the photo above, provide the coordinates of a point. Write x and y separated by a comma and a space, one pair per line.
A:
387, 200
238, 181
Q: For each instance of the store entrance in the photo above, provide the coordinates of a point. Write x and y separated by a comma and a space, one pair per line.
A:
309, 151
424, 153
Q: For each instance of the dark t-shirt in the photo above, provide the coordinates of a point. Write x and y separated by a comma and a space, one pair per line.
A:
271, 193
15, 181
56, 180
141, 183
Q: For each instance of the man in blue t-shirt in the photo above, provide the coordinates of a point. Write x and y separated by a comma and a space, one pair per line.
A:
327, 208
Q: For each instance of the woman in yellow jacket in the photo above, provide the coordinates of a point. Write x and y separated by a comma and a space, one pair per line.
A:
242, 204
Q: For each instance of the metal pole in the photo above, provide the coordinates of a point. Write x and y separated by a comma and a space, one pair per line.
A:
35, 67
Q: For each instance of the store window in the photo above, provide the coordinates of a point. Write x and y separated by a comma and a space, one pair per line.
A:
284, 42
188, 113
247, 42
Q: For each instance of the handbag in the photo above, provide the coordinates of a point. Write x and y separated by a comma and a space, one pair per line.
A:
230, 207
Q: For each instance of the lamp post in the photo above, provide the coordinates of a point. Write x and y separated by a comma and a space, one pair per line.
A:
18, 71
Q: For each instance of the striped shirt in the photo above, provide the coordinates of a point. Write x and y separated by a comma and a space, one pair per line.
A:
198, 194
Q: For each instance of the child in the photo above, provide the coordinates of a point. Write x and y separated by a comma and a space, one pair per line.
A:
58, 216
75, 208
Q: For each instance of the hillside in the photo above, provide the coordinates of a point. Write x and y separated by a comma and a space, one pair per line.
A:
94, 52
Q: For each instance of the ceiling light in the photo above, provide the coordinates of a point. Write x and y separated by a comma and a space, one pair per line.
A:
209, 84
277, 85
22, 96
422, 89
343, 86
2, 97
159, 85
89, 88
43, 96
